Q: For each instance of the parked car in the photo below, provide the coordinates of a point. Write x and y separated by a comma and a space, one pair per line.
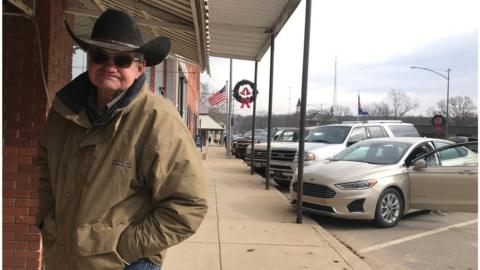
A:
240, 144
382, 179
288, 135
460, 139
328, 140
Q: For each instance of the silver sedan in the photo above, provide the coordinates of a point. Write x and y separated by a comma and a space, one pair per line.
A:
382, 179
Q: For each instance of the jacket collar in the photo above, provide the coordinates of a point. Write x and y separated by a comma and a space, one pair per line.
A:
104, 133
71, 101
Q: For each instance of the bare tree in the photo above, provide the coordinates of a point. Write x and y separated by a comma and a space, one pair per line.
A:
341, 111
432, 110
402, 103
460, 109
381, 109
204, 91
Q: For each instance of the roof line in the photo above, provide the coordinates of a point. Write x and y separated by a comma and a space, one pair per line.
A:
96, 13
278, 25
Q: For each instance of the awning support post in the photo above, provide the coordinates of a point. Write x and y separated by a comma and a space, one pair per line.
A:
270, 98
303, 107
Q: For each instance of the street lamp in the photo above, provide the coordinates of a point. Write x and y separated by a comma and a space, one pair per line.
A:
448, 89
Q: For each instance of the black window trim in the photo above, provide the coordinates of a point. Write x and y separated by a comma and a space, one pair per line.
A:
442, 148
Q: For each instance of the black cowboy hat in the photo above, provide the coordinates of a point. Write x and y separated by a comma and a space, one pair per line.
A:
116, 30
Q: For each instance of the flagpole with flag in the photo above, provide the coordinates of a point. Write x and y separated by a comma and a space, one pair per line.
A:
360, 111
227, 116
218, 97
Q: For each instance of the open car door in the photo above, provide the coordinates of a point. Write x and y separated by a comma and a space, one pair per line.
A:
446, 179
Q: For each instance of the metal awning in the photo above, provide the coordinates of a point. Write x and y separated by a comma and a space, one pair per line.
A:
238, 29
241, 29
206, 122
183, 21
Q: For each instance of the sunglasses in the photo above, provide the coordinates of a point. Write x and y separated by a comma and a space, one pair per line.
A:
101, 57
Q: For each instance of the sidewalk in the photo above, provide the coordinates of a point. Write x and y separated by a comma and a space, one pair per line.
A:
250, 228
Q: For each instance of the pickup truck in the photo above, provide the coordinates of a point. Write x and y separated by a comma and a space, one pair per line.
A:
240, 144
283, 137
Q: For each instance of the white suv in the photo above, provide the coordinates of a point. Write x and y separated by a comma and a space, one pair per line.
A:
328, 140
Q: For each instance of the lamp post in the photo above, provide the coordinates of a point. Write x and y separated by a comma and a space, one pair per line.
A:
448, 89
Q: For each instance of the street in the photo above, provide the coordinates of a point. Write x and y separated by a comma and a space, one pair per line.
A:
421, 240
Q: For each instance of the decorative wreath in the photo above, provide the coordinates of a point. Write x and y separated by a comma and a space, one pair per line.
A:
243, 94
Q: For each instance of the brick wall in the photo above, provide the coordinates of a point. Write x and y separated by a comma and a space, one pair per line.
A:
193, 78
24, 113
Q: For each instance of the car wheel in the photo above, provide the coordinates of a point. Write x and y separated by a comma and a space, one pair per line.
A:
389, 208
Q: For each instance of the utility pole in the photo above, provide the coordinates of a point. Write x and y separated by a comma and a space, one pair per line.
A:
448, 89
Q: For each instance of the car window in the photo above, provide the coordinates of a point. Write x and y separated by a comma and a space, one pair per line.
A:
374, 152
277, 134
404, 131
432, 160
288, 136
357, 154
260, 136
450, 153
358, 134
329, 134
307, 132
377, 132
388, 153
419, 151
440, 144
457, 156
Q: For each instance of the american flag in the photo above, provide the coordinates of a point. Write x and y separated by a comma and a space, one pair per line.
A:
218, 97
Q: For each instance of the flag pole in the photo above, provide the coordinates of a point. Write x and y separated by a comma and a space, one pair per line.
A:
358, 106
227, 128
229, 123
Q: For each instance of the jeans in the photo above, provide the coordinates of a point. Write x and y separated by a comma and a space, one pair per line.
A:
142, 265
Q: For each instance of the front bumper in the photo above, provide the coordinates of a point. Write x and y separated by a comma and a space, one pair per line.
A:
350, 204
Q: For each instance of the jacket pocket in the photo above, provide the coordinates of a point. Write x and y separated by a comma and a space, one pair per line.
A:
99, 238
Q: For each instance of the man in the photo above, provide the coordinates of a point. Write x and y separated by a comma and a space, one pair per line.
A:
120, 177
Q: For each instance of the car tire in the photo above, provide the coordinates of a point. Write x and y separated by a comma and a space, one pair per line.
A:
389, 209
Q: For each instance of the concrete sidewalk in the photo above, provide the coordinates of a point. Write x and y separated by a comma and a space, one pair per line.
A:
250, 228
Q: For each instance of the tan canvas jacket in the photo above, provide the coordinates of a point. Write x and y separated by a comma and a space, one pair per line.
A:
129, 189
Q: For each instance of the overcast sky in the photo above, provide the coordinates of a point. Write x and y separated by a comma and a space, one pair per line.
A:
376, 42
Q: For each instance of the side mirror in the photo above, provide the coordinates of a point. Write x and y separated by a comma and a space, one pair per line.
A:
419, 165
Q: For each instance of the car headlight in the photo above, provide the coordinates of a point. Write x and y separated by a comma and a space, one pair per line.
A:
309, 156
364, 184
